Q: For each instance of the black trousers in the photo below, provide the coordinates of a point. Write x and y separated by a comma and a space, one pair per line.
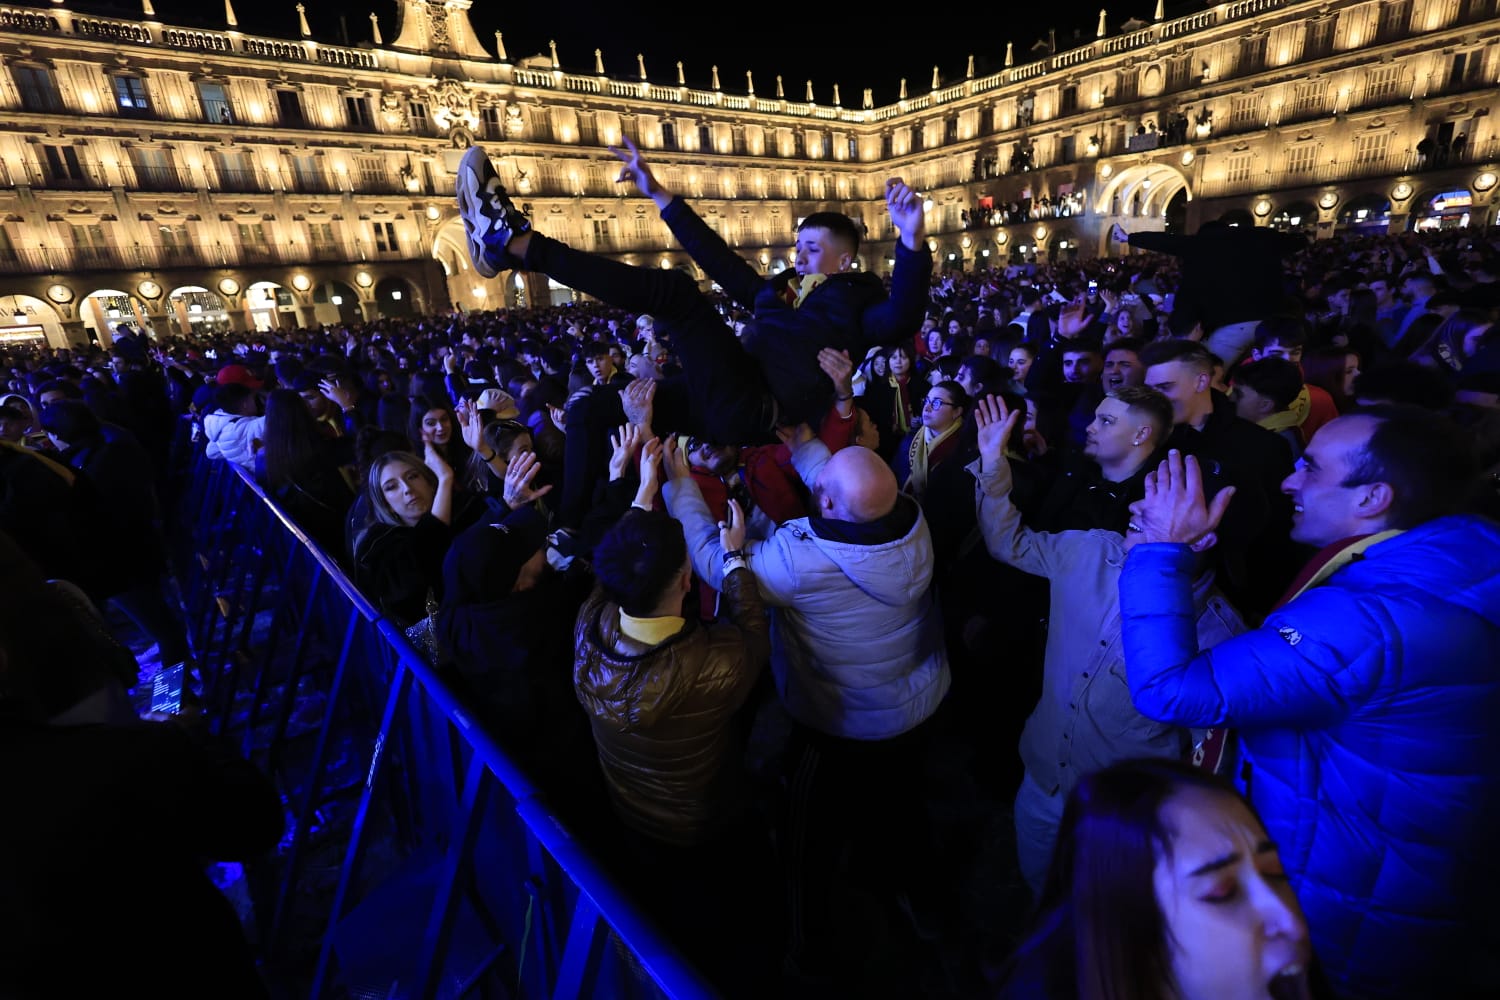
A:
722, 394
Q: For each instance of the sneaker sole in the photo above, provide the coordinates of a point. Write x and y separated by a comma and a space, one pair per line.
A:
469, 185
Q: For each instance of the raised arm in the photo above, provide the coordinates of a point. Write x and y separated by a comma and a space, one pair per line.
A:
900, 315
1005, 537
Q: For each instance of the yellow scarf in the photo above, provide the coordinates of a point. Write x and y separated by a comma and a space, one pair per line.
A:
651, 631
1293, 416
923, 443
800, 288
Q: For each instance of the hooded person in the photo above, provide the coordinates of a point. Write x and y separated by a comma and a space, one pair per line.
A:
506, 623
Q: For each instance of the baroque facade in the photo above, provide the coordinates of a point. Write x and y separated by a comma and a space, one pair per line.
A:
184, 178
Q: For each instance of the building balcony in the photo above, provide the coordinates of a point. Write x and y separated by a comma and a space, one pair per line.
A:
313, 184
243, 182
155, 178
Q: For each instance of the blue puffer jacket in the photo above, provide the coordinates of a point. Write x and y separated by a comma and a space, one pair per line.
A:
1369, 715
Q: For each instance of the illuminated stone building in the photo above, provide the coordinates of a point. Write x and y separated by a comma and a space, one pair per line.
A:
188, 178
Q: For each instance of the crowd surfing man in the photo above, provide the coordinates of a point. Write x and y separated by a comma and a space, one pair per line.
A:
736, 389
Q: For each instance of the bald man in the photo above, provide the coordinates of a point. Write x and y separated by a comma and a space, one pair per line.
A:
858, 657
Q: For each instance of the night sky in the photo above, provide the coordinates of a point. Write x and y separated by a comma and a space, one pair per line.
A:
855, 46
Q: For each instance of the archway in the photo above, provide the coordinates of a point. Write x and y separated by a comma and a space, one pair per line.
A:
1298, 217
196, 310
335, 303
1441, 210
106, 308
1366, 213
396, 297
269, 306
1144, 190
27, 321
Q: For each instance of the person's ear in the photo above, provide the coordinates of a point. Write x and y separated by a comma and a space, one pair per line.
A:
1376, 502
1205, 543
1203, 381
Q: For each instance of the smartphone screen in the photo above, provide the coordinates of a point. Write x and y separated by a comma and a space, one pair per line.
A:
166, 689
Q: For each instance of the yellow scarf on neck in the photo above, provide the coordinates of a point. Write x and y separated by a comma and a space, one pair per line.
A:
924, 443
651, 631
798, 289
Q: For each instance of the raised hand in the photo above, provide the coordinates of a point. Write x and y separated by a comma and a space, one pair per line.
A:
996, 421
625, 441
434, 461
518, 478
471, 425
1073, 319
732, 528
340, 396
1118, 234
839, 369
637, 401
636, 171
907, 214
651, 452
1173, 509
676, 461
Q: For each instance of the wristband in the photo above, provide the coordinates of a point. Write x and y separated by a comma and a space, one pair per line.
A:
739, 554
492, 457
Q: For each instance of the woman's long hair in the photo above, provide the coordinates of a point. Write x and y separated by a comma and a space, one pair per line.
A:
1100, 933
380, 508
293, 442
1324, 368
455, 452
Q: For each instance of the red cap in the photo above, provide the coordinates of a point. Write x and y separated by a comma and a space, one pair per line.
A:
239, 375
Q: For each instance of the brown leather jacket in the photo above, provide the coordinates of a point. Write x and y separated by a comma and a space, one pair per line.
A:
661, 714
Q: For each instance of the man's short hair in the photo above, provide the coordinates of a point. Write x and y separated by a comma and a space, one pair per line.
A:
638, 558
1083, 345
1188, 352
1429, 461
840, 225
1277, 379
1132, 344
1404, 382
68, 390
1287, 331
71, 420
1149, 403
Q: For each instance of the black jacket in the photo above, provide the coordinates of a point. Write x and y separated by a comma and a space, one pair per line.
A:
850, 311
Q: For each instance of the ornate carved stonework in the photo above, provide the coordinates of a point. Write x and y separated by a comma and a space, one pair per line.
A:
453, 106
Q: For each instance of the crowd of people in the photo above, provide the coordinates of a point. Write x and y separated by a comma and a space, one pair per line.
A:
1186, 555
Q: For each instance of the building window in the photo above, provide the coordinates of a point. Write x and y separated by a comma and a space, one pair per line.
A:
38, 89
89, 246
853, 148
289, 108
1371, 148
1245, 111
215, 101
1308, 98
1238, 168
494, 127
603, 233
385, 237
419, 123
706, 139
588, 129
1069, 99
154, 170
308, 174
372, 174
62, 165
1302, 159
668, 135
357, 109
1066, 151
642, 228
130, 95
1383, 83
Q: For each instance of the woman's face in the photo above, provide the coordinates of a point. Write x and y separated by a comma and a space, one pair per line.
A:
1233, 924
436, 427
1125, 322
1020, 364
407, 491
982, 347
938, 411
900, 364
1351, 372
879, 367
934, 343
1473, 337
520, 446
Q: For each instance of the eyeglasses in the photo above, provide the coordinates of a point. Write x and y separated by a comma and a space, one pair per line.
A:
933, 403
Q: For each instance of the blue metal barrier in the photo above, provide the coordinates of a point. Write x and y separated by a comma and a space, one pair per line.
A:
443, 846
